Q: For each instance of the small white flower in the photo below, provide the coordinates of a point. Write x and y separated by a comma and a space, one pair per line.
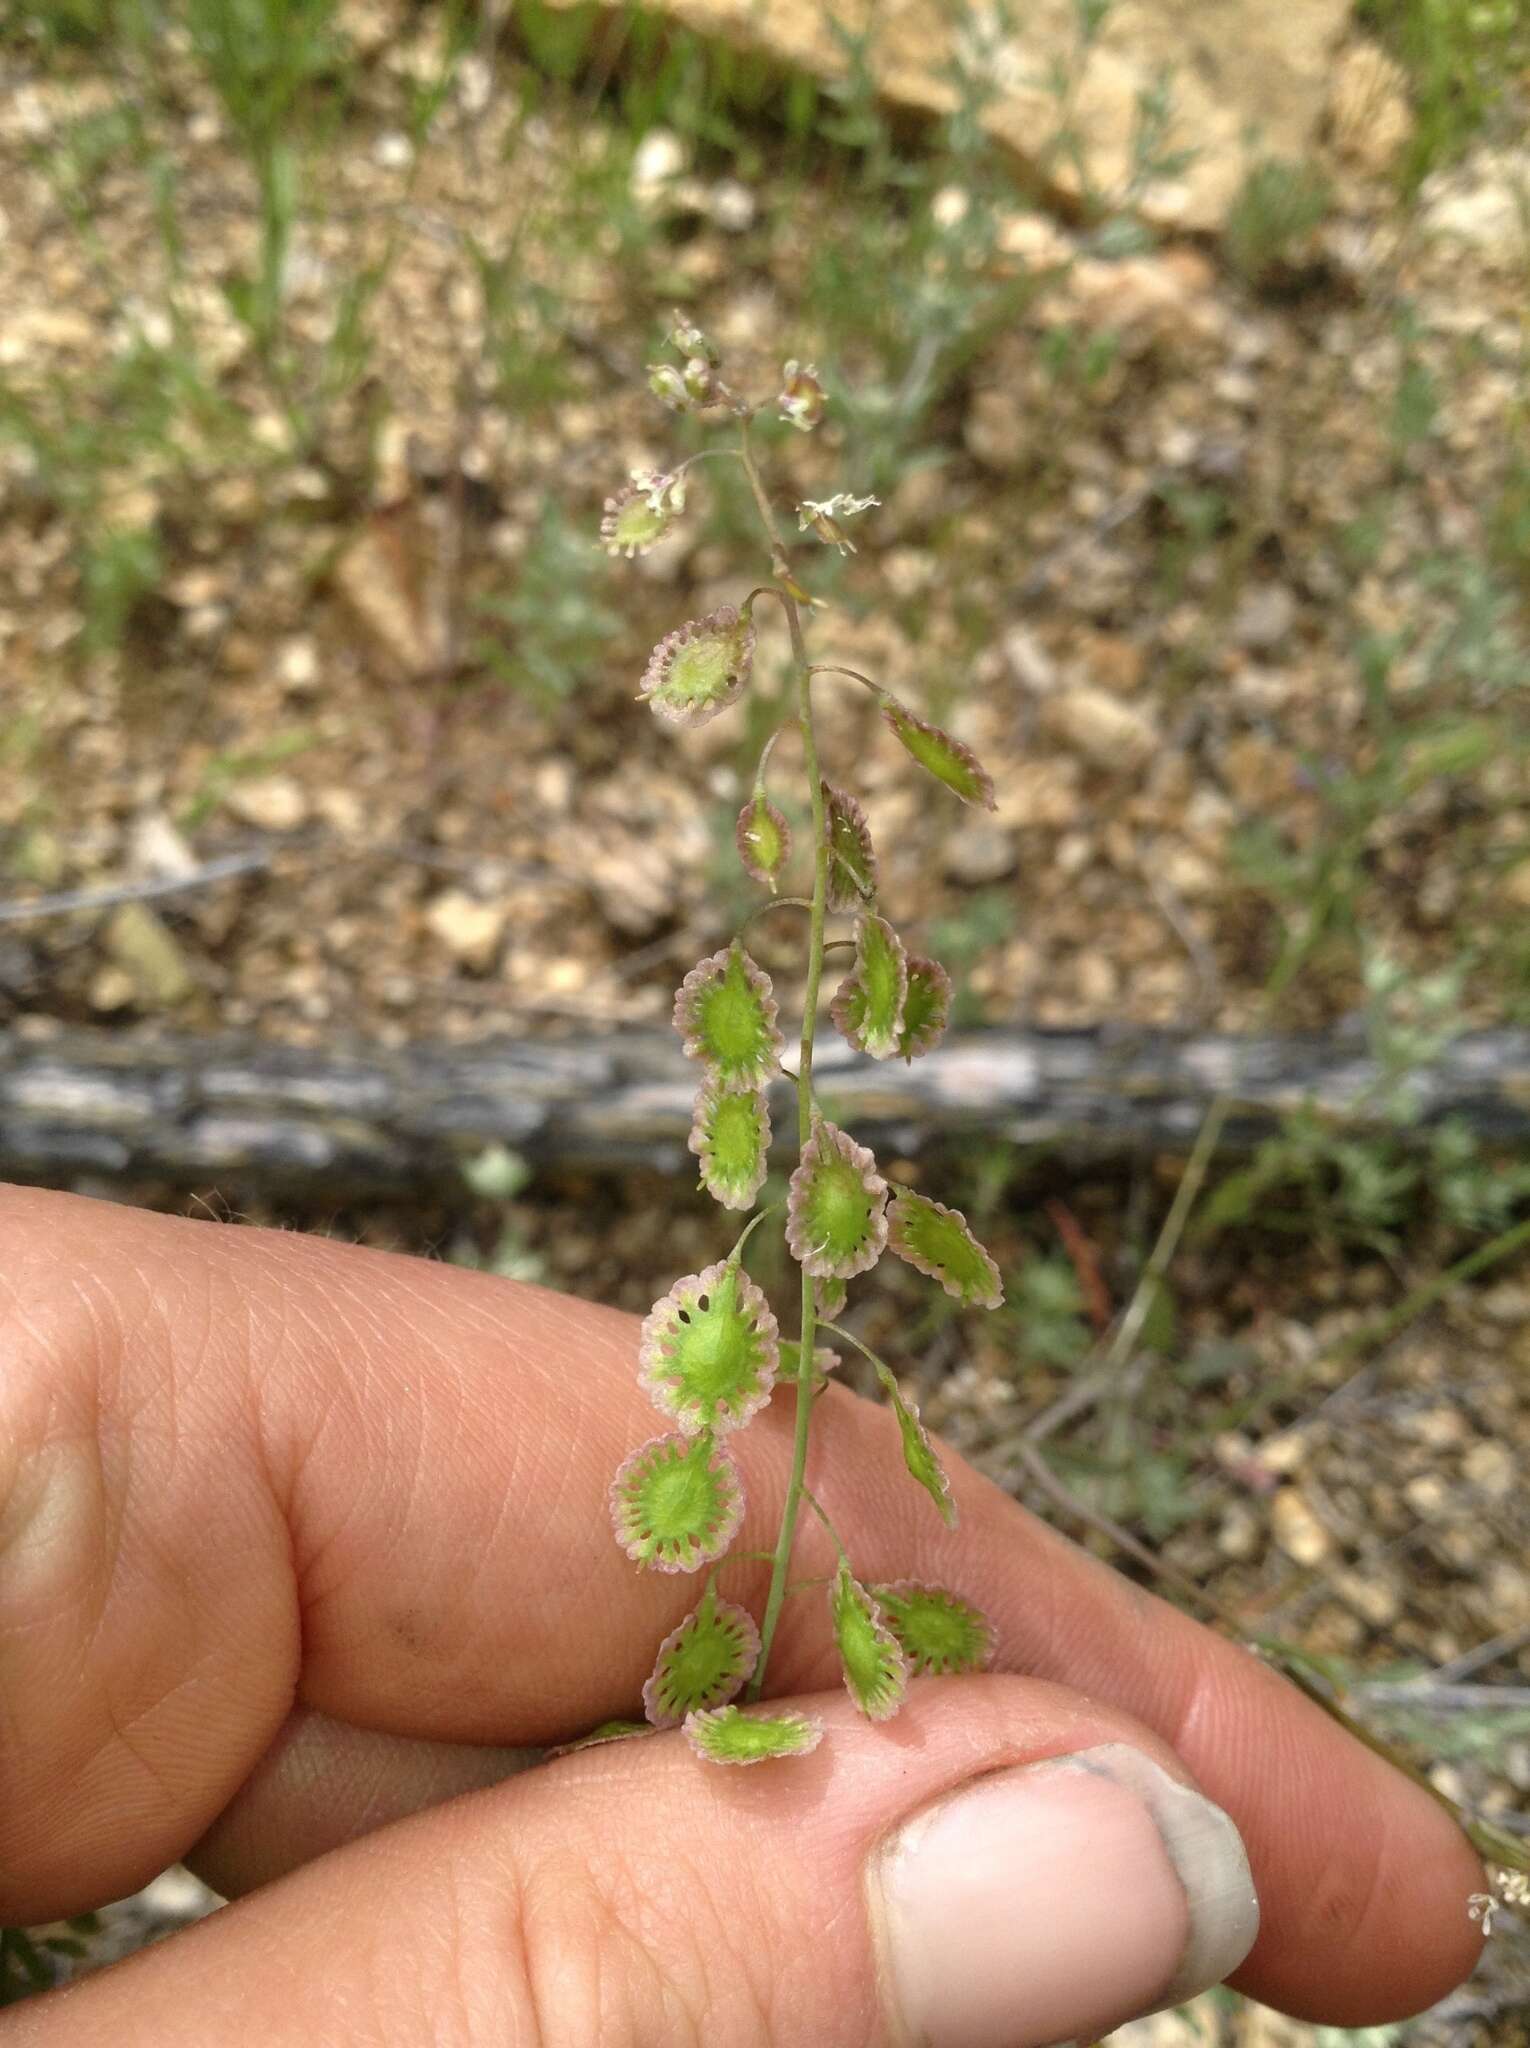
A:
823, 515
1482, 1906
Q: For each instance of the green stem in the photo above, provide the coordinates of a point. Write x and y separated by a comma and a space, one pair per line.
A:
792, 1506
834, 1537
833, 668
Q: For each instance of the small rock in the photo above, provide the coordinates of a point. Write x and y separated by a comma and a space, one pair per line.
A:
732, 206
1482, 206
635, 887
157, 851
111, 989
1506, 1594
1437, 1429
1297, 1529
1238, 1532
139, 942
1374, 1600
997, 430
658, 158
1265, 615
297, 667
271, 803
470, 931
979, 852
1490, 1468
1428, 1496
1029, 664
1108, 733
1369, 114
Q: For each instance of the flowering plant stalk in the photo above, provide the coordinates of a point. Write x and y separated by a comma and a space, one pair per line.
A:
711, 1349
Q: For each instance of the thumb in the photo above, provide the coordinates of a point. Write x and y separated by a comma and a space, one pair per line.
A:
1007, 1864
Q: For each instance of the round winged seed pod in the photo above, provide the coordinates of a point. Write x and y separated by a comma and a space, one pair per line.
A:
939, 1243
676, 1503
641, 513
868, 1008
764, 839
926, 1007
707, 1354
836, 1209
725, 1013
948, 759
729, 1735
852, 857
730, 1135
702, 1664
940, 1632
871, 1657
701, 668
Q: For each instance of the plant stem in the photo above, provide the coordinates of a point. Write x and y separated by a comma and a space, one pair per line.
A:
792, 1506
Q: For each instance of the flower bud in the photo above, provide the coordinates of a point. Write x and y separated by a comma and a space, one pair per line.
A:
700, 382
802, 398
688, 340
668, 386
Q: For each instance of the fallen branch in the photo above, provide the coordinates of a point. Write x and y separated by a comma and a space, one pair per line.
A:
317, 1124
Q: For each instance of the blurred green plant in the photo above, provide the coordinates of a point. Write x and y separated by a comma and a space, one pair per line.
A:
1279, 207
544, 635
1461, 57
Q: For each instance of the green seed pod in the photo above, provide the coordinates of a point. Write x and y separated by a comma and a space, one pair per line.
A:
764, 839
870, 1655
940, 1633
836, 1221
701, 668
936, 1241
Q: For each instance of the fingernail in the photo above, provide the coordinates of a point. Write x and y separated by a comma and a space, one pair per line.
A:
1055, 1901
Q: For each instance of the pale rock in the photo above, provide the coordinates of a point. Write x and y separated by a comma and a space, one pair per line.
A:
1099, 985
1515, 885
1168, 298
1375, 1600
297, 667
1370, 118
111, 989
1238, 1532
634, 885
343, 809
915, 504
1482, 205
138, 941
997, 430
658, 158
1428, 1496
1234, 70
1028, 662
271, 803
1265, 615
469, 930
732, 206
1033, 239
1297, 1529
157, 851
908, 571
1506, 1594
1108, 733
979, 852
1489, 1466
1437, 1429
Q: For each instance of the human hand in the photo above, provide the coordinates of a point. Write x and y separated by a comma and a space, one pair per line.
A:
297, 1540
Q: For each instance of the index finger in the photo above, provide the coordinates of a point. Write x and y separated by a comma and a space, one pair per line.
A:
240, 1469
